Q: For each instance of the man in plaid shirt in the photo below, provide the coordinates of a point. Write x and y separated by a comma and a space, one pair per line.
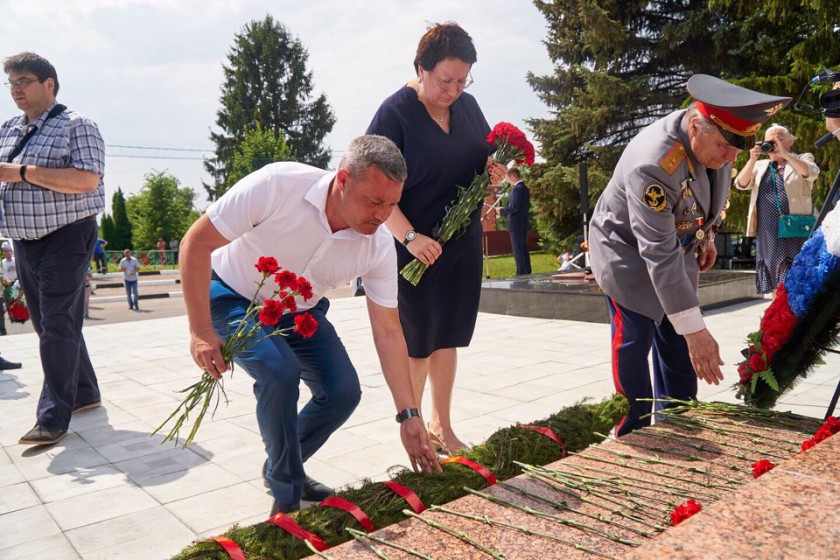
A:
51, 165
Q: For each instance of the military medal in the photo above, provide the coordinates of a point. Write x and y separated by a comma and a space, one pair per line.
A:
700, 234
700, 221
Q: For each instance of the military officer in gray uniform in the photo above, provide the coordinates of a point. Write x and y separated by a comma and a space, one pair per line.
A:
652, 234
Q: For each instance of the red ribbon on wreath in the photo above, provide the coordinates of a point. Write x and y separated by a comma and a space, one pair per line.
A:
410, 497
231, 548
290, 526
547, 432
488, 476
352, 509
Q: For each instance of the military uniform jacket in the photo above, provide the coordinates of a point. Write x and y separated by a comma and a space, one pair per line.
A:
644, 230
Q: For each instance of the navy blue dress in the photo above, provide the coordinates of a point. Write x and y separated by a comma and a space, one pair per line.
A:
439, 312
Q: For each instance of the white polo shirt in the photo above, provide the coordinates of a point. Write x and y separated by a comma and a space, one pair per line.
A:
279, 211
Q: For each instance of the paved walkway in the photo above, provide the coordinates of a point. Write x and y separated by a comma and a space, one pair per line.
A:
108, 490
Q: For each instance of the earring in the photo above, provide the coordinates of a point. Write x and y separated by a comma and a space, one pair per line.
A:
420, 80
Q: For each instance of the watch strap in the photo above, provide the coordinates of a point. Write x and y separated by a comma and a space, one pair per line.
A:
23, 172
407, 413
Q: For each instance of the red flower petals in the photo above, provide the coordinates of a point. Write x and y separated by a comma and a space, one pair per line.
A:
306, 325
828, 429
304, 288
761, 467
267, 265
271, 312
286, 279
683, 512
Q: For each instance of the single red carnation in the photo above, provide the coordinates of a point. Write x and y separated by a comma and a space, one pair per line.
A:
757, 363
18, 312
761, 467
290, 304
306, 325
304, 288
806, 445
286, 279
744, 372
271, 312
267, 265
683, 512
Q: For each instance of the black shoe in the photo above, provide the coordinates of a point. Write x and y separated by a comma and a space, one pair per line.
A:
278, 507
3, 333
314, 491
42, 436
6, 364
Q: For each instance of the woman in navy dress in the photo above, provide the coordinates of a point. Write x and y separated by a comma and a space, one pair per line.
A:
442, 133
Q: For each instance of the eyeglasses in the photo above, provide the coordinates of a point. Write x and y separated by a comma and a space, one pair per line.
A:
447, 84
22, 83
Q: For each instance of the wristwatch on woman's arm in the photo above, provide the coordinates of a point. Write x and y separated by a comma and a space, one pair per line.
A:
409, 237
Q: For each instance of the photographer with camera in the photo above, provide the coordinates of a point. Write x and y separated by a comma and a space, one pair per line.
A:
779, 187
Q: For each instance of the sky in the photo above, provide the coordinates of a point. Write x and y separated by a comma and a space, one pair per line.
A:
149, 72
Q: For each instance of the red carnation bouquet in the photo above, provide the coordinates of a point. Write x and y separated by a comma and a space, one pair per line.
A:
15, 303
259, 323
511, 145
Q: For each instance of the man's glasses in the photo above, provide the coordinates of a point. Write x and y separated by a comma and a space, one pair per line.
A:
22, 83
449, 83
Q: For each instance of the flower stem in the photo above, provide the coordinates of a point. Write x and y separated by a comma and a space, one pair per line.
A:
456, 533
566, 507
562, 520
520, 528
315, 551
652, 461
412, 552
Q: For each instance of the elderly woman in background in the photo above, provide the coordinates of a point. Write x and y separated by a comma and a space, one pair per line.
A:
442, 133
779, 185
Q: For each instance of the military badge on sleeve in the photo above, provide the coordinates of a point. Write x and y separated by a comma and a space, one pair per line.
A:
654, 197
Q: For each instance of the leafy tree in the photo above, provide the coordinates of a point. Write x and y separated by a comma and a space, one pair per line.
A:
122, 226
621, 65
106, 228
267, 83
259, 148
162, 208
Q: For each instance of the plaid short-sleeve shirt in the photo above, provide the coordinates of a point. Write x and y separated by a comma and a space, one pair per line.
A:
64, 141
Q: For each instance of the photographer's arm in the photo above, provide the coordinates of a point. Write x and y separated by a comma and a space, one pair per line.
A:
745, 178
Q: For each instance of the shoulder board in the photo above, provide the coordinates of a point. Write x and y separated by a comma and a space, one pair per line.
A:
673, 159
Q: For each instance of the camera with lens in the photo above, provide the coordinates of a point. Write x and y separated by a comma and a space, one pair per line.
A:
830, 100
767, 146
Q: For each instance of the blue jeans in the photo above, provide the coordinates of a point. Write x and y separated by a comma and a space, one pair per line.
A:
131, 293
277, 365
51, 271
633, 338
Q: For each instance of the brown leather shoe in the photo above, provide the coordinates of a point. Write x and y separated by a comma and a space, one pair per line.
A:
40, 435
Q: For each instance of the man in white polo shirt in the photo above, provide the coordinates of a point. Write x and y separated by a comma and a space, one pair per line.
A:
325, 227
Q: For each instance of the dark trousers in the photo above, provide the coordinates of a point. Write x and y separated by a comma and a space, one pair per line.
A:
633, 338
519, 241
51, 271
99, 262
277, 365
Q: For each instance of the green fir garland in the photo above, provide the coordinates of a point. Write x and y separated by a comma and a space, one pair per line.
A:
576, 426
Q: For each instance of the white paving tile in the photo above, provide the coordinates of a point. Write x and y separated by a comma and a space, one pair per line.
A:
222, 508
87, 509
54, 547
19, 527
17, 497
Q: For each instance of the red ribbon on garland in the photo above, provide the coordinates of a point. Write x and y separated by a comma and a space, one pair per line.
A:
352, 509
488, 476
290, 526
547, 432
410, 497
231, 548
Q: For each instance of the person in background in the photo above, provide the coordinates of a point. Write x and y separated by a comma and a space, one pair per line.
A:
517, 212
52, 161
161, 246
9, 277
99, 256
778, 185
442, 133
173, 246
130, 267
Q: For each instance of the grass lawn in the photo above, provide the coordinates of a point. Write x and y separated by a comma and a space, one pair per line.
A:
504, 266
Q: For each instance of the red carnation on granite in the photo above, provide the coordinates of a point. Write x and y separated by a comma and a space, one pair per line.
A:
306, 325
761, 467
684, 511
830, 427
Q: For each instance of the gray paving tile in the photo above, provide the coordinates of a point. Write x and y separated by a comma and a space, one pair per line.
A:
87, 509
55, 547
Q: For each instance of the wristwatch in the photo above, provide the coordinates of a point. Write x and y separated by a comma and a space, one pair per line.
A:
406, 413
409, 237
